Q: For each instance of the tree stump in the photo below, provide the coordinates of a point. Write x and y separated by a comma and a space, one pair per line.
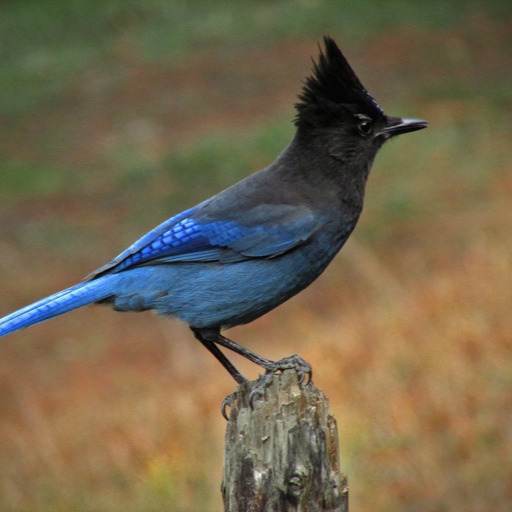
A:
282, 455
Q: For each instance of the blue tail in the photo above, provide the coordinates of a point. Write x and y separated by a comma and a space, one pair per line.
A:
57, 304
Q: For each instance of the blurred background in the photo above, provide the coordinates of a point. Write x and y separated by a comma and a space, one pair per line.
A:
117, 114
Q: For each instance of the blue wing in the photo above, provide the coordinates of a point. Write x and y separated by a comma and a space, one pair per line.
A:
263, 231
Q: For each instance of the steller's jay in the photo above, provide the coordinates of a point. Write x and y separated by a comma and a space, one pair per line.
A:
244, 251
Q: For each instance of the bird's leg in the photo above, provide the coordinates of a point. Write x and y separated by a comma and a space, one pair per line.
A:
295, 362
229, 401
209, 343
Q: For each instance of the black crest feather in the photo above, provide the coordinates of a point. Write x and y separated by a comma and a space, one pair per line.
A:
333, 81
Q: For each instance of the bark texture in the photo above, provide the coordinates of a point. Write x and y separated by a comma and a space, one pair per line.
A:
282, 455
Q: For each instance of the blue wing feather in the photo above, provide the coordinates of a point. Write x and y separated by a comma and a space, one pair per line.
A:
193, 235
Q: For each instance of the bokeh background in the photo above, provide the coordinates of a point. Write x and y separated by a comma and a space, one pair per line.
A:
116, 114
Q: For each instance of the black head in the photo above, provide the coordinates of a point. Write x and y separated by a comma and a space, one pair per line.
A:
335, 106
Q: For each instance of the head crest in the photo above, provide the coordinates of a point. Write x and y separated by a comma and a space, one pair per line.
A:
334, 81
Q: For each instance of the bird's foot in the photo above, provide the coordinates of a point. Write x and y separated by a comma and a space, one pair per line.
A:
295, 362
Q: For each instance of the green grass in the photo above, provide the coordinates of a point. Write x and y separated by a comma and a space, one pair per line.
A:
26, 181
48, 44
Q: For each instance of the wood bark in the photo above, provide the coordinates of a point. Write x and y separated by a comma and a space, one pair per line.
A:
282, 455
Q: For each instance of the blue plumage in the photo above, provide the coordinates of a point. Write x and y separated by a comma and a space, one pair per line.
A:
57, 304
254, 245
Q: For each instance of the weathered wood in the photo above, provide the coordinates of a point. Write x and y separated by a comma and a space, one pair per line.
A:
282, 456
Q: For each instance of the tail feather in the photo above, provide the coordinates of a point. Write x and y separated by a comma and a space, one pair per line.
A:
57, 304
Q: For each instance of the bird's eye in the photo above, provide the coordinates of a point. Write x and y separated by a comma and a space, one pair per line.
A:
365, 127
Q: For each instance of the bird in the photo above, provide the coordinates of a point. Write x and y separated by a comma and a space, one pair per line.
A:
246, 250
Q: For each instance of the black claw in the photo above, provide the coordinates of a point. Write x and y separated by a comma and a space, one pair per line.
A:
305, 375
259, 388
252, 396
229, 401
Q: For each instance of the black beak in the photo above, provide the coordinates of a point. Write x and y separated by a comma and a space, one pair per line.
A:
397, 125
